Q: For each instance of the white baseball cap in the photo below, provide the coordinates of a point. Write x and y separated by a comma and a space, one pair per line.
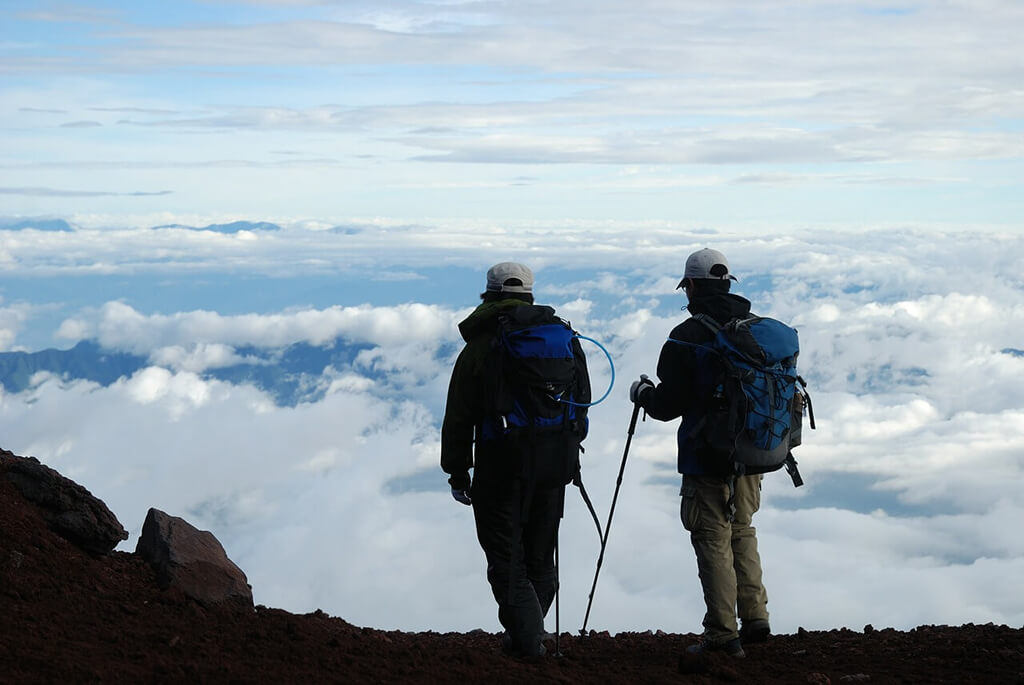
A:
500, 275
706, 264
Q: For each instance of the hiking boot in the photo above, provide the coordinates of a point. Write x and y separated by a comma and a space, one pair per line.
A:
731, 648
510, 650
754, 631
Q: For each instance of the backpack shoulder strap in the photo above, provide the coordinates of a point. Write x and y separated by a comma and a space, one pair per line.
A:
711, 324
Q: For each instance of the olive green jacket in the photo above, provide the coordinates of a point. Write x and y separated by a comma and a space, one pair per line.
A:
464, 409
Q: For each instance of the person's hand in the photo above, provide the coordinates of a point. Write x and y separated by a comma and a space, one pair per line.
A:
460, 483
638, 388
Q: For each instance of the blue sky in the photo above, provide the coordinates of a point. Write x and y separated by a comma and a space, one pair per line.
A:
860, 163
797, 113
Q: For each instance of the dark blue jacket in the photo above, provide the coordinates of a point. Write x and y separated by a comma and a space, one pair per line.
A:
686, 374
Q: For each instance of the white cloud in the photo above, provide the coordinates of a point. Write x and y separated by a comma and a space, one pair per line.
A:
182, 392
199, 358
912, 473
203, 339
12, 320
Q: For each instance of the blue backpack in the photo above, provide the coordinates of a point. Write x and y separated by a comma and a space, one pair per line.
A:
535, 412
758, 402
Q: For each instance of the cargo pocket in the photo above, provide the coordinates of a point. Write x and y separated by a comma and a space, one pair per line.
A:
756, 495
689, 511
748, 498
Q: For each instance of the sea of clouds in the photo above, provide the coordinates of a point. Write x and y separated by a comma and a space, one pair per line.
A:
911, 345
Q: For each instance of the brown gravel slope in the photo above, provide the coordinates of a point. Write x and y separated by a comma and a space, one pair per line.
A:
67, 616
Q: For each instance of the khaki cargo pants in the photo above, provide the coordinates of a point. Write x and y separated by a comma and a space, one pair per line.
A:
727, 559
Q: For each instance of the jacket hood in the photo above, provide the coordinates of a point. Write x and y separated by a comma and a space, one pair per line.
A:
484, 319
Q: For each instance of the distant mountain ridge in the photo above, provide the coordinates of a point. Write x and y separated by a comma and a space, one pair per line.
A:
233, 227
290, 374
62, 226
58, 225
86, 361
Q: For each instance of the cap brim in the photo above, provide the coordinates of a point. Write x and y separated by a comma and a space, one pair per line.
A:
729, 277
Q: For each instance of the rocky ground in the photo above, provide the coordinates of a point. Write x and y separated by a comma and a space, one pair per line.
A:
68, 615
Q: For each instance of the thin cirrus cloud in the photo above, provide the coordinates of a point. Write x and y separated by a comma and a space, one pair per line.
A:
462, 133
418, 109
64, 192
168, 164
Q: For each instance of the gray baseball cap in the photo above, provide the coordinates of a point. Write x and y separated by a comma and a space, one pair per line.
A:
706, 263
499, 275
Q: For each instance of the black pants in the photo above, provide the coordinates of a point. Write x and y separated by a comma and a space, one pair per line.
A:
517, 526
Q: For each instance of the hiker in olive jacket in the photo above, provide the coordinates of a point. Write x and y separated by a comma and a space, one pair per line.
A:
463, 409
728, 562
516, 519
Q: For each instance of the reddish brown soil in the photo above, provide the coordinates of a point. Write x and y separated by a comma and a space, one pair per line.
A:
66, 616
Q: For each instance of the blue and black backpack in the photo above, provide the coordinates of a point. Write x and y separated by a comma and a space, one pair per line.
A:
537, 413
758, 403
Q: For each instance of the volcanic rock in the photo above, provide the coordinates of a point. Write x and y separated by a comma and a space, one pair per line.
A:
191, 560
69, 510
67, 616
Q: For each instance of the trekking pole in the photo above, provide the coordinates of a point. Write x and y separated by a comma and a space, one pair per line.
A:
611, 511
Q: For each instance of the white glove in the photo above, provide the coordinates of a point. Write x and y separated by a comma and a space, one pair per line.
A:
638, 388
462, 496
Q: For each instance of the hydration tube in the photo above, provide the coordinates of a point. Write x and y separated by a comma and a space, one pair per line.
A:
610, 384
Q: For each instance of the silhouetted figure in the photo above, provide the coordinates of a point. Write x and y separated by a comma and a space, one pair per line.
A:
513, 417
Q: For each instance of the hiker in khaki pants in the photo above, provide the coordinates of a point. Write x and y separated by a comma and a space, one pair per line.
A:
725, 542
727, 559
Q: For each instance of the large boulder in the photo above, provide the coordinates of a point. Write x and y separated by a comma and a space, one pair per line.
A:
69, 510
193, 561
